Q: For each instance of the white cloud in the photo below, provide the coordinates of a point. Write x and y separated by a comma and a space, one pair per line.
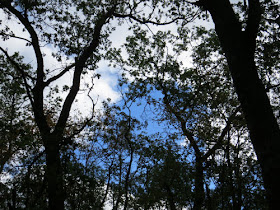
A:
103, 88
13, 45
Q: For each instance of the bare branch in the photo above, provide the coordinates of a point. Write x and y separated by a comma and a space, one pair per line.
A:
16, 37
146, 21
189, 135
68, 140
52, 79
36, 159
108, 184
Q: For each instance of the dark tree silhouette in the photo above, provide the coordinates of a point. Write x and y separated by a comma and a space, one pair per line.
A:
239, 48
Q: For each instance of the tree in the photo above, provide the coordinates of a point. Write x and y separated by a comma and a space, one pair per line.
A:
239, 45
160, 69
198, 101
78, 33
11, 98
235, 172
20, 145
165, 177
81, 36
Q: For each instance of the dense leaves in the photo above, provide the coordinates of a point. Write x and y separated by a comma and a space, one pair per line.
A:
178, 137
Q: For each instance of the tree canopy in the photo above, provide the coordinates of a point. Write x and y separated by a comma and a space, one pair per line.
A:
196, 125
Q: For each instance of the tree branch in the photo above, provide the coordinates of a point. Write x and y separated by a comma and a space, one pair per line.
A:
269, 87
146, 21
223, 134
16, 37
190, 137
79, 66
252, 28
183, 123
37, 103
270, 20
227, 25
68, 140
52, 79
22, 73
34, 37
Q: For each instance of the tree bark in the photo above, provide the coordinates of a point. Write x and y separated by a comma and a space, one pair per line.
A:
239, 47
54, 173
170, 197
209, 199
127, 179
199, 190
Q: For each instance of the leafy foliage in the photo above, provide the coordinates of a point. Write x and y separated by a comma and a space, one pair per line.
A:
200, 158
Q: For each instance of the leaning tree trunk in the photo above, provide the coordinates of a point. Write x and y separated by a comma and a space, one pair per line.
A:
261, 122
239, 47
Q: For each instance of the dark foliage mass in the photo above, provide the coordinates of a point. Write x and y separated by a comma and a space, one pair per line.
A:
197, 123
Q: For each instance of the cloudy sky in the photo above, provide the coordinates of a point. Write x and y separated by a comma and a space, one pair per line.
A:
104, 87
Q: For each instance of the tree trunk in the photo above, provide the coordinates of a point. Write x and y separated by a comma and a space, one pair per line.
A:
263, 127
127, 179
239, 48
209, 199
54, 173
199, 190
229, 175
170, 197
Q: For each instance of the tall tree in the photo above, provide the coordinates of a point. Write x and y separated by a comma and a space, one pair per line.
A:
12, 98
19, 142
239, 46
79, 30
192, 99
78, 33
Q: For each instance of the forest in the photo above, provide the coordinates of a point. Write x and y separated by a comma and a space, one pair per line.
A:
139, 104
